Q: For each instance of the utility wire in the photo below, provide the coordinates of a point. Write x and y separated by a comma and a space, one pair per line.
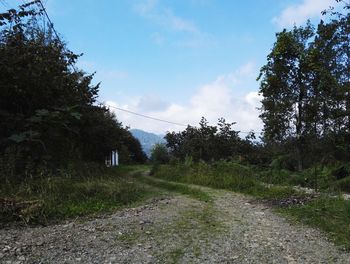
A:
4, 3
156, 119
145, 116
110, 106
40, 3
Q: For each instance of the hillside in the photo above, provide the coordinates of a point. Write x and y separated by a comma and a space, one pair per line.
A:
147, 139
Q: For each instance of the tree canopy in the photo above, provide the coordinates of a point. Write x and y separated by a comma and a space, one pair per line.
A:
208, 143
306, 86
48, 108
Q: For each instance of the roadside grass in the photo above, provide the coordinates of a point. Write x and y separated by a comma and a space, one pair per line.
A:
223, 175
331, 215
54, 198
332, 178
178, 188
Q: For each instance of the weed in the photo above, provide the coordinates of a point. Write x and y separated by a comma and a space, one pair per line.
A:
222, 175
66, 196
179, 188
331, 215
128, 239
175, 255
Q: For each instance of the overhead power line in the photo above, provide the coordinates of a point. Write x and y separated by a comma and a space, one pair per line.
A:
145, 116
157, 119
41, 5
4, 3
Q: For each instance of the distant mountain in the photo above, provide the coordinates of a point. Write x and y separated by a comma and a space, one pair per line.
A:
147, 140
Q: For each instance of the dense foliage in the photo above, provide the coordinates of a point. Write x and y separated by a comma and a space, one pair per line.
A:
48, 112
208, 142
160, 154
305, 86
306, 92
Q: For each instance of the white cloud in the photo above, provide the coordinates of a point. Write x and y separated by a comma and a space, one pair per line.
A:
151, 103
188, 33
152, 10
178, 23
220, 98
145, 7
299, 14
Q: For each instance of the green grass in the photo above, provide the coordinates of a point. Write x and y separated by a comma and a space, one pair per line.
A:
178, 188
204, 219
129, 239
175, 255
343, 184
331, 178
55, 198
223, 175
196, 226
200, 221
332, 215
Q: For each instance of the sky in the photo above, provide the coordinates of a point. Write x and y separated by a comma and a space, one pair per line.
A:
177, 60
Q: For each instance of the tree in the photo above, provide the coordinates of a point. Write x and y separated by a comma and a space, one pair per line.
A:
207, 143
48, 111
305, 88
284, 86
42, 99
160, 154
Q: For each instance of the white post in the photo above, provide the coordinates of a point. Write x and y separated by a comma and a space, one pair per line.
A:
113, 158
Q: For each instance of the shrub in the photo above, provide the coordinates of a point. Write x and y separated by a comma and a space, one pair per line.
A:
160, 154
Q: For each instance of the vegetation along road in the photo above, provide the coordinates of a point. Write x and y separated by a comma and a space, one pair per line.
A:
179, 224
216, 193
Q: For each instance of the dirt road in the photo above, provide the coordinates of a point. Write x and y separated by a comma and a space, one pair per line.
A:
174, 229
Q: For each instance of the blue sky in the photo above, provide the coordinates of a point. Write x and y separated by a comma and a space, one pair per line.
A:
178, 59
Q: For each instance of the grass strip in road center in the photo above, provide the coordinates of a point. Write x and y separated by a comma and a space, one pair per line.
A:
195, 193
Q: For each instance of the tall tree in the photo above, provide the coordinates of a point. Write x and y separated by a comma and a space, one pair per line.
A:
284, 86
48, 111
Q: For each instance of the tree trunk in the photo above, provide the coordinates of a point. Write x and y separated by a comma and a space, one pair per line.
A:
299, 130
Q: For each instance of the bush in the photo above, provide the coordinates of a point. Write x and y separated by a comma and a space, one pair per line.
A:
341, 171
343, 185
160, 154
